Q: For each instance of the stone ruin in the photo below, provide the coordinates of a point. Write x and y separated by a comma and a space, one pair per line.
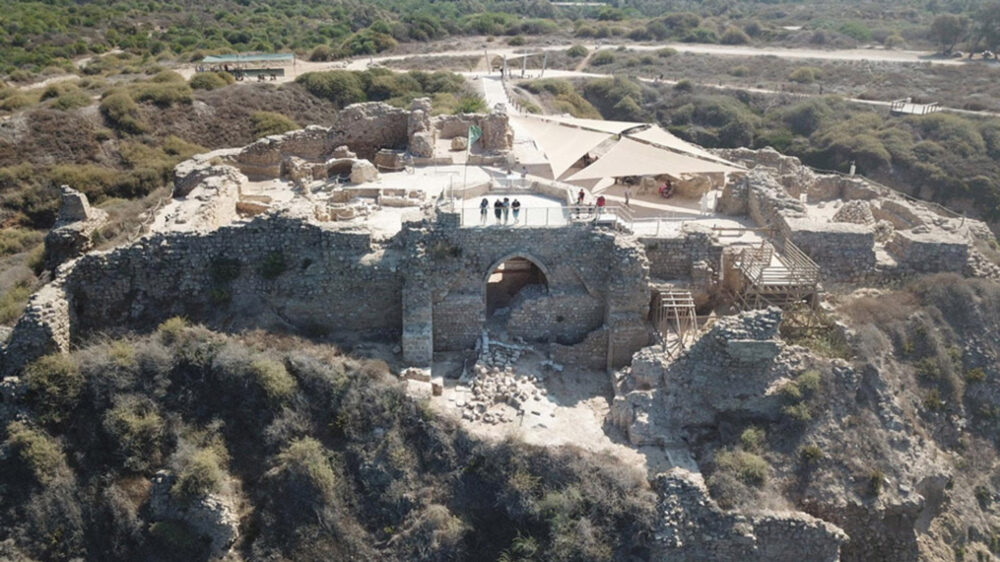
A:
73, 233
328, 173
853, 228
291, 199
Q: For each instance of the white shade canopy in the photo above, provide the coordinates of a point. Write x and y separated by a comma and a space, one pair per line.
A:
658, 136
562, 145
633, 158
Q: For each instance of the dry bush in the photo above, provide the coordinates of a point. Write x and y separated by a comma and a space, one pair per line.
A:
880, 310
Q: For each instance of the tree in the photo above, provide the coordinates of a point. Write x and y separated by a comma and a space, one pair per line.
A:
947, 30
987, 29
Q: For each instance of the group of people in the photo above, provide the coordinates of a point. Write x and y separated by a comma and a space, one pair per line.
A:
502, 209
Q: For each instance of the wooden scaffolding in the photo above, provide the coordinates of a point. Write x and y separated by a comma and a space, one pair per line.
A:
785, 278
674, 317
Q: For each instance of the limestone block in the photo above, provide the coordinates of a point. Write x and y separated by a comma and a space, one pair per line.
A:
343, 151
422, 144
363, 171
389, 160
73, 205
459, 143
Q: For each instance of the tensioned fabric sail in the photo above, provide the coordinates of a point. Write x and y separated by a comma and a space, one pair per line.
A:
658, 136
562, 145
633, 158
613, 127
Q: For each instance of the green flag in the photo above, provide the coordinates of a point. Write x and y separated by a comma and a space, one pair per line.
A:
474, 134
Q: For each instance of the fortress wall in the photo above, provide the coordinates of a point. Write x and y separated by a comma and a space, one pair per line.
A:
271, 273
594, 278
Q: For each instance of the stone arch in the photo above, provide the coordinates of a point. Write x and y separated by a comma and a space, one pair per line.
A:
538, 265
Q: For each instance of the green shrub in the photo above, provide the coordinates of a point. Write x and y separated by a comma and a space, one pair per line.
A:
975, 374
171, 330
12, 303
740, 71
15, 102
225, 270
875, 482
932, 400
734, 36
178, 538
516, 41
470, 104
577, 51
804, 75
799, 412
684, 86
122, 113
810, 454
53, 383
163, 93
666, 52
320, 53
72, 100
201, 473
207, 81
273, 379
602, 58
15, 240
749, 468
272, 266
136, 428
338, 86
41, 454
753, 439
266, 123
304, 469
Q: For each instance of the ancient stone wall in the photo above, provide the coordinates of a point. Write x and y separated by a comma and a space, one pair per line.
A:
928, 253
496, 130
554, 316
593, 277
842, 250
694, 528
675, 258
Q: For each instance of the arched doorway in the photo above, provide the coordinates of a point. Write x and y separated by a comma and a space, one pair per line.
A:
507, 278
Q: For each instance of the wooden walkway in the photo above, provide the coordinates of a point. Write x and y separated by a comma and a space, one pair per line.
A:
775, 278
907, 107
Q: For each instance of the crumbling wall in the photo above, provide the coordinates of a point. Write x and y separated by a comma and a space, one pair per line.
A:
495, 126
694, 528
367, 127
674, 258
928, 253
271, 272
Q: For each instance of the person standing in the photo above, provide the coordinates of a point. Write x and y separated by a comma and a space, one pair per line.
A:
498, 209
516, 206
628, 194
506, 209
579, 197
484, 206
600, 207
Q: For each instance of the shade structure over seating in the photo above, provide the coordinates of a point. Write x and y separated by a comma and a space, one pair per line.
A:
563, 145
633, 158
657, 136
600, 125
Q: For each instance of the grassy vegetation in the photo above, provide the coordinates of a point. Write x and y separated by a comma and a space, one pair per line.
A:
342, 449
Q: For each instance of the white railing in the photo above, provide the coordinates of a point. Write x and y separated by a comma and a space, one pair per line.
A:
546, 217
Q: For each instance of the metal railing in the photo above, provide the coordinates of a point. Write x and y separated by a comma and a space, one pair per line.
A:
546, 217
